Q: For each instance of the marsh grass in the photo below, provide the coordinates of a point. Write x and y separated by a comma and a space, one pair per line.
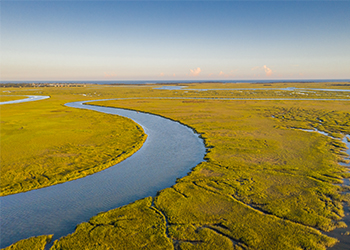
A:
257, 164
44, 143
136, 226
6, 98
33, 243
298, 85
264, 184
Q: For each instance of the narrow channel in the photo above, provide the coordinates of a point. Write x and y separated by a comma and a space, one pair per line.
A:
342, 234
170, 152
30, 98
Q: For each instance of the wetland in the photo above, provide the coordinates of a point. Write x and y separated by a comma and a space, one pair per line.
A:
263, 185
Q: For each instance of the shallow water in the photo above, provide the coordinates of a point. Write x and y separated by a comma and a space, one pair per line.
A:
339, 233
30, 98
170, 151
172, 87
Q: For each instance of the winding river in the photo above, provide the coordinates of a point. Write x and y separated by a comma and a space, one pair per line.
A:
30, 98
170, 151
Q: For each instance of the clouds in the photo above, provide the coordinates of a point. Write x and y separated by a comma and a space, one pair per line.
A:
267, 70
195, 72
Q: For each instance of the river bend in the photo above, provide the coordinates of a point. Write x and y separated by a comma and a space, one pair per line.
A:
169, 152
30, 98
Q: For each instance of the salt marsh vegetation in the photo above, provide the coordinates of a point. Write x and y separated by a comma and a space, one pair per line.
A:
44, 143
263, 185
6, 98
257, 164
37, 243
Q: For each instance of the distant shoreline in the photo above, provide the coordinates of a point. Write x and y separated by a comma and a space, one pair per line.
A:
146, 82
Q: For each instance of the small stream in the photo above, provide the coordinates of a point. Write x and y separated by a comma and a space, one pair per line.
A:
30, 98
342, 234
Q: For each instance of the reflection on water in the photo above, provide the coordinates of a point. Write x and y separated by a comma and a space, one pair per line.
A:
169, 152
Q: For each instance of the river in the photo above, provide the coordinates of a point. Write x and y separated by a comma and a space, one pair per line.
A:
170, 151
30, 98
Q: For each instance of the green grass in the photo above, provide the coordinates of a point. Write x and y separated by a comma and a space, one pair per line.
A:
5, 98
265, 185
136, 226
255, 161
34, 243
198, 208
44, 143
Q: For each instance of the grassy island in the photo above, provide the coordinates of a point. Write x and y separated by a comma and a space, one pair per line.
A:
264, 184
44, 143
37, 243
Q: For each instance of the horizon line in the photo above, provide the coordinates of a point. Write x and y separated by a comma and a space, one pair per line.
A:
175, 81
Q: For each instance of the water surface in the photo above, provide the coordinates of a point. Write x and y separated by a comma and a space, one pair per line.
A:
170, 151
30, 98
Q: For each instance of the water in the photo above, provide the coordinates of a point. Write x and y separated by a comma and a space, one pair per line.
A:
340, 233
254, 89
170, 151
29, 99
172, 87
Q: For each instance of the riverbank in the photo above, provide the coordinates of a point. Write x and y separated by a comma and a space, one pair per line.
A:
300, 173
263, 185
169, 152
45, 143
21, 99
6, 98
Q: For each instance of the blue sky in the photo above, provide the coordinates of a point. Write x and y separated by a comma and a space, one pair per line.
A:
174, 40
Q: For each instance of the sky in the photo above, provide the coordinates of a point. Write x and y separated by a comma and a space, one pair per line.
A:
174, 40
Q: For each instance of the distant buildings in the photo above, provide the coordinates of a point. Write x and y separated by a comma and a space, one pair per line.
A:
37, 85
